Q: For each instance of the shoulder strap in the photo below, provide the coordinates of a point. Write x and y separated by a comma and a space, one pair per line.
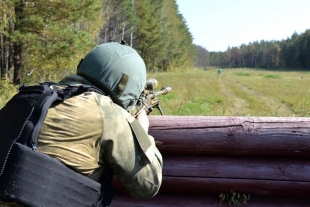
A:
22, 117
19, 117
43, 97
40, 98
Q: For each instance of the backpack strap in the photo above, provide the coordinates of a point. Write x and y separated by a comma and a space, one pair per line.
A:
40, 98
76, 90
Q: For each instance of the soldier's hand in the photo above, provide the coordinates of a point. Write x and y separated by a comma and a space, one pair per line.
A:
143, 120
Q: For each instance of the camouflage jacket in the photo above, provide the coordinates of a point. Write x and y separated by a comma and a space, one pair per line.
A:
89, 133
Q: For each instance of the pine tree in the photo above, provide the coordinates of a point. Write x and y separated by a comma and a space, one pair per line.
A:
6, 24
303, 45
120, 21
49, 35
149, 39
163, 38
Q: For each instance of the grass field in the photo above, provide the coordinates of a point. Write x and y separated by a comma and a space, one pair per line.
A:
237, 92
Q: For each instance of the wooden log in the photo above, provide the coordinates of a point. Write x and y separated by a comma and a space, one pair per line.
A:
232, 136
216, 186
185, 200
237, 168
266, 157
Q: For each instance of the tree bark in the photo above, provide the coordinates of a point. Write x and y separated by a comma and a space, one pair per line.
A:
2, 57
17, 48
17, 59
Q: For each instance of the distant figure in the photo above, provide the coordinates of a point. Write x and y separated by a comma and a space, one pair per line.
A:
218, 71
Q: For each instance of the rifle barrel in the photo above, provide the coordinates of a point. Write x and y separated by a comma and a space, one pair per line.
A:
163, 91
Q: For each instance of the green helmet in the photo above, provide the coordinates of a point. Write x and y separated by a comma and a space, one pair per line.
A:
116, 69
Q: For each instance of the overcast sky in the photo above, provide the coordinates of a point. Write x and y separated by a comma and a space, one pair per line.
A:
217, 24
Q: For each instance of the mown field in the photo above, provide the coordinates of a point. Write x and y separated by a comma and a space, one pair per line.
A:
236, 92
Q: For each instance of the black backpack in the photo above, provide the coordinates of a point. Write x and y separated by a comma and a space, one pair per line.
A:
33, 178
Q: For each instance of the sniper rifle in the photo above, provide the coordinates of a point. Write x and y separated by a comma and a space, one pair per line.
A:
148, 99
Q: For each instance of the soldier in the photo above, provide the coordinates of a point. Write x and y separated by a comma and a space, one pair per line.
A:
91, 132
218, 71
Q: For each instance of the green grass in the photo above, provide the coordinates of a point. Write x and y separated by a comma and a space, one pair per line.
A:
275, 76
237, 92
242, 74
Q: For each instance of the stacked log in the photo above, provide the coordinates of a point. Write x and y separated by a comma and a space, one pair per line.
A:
204, 157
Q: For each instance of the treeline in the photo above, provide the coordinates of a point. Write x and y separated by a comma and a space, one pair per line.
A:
294, 52
45, 39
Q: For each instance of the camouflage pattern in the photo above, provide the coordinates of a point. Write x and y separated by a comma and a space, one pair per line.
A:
89, 132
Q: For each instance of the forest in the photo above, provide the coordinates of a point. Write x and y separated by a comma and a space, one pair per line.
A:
45, 39
292, 53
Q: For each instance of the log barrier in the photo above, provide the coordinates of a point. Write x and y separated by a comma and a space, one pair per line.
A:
267, 158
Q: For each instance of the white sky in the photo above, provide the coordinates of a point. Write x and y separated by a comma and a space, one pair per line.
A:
217, 24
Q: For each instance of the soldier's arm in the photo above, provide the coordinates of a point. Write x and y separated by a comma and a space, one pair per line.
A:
131, 153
